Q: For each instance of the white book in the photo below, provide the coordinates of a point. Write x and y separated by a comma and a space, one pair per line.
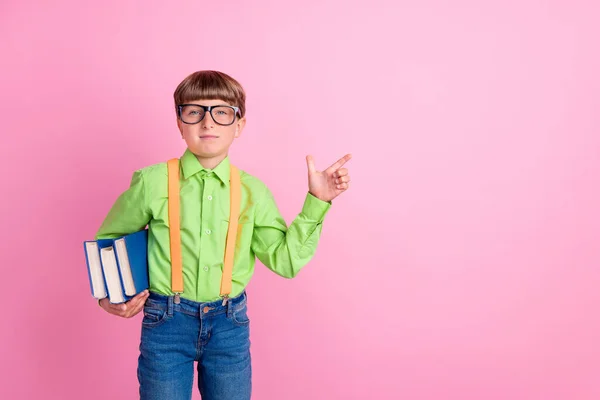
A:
111, 275
125, 267
95, 270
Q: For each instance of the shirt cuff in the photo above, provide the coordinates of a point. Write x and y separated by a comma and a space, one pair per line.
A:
314, 209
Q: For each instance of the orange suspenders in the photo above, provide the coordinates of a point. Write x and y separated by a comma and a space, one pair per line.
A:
175, 234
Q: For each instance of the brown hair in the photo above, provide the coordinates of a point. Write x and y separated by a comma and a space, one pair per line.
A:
211, 85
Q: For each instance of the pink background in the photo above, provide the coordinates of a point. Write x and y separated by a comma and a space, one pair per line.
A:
463, 263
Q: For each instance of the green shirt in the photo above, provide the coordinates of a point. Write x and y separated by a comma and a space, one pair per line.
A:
204, 208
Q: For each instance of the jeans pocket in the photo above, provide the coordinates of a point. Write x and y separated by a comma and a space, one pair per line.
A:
239, 316
153, 317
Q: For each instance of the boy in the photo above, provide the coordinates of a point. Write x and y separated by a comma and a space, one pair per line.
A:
198, 323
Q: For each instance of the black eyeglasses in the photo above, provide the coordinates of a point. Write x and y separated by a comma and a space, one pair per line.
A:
194, 113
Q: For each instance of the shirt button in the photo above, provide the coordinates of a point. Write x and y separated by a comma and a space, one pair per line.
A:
209, 197
205, 268
208, 231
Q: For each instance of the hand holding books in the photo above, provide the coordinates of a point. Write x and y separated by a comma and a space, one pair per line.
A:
127, 309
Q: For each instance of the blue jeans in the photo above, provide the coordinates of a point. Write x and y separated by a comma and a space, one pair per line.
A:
217, 337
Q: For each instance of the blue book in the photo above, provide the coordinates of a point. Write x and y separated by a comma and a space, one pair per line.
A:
124, 264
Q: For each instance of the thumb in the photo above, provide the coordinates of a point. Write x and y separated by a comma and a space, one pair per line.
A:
310, 163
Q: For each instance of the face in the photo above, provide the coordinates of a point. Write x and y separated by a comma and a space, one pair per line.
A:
207, 139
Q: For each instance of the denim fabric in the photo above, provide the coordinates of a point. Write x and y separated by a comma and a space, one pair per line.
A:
175, 335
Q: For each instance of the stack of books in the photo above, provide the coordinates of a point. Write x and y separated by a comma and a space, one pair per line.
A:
118, 268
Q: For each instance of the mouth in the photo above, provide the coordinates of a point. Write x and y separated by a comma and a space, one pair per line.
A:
207, 137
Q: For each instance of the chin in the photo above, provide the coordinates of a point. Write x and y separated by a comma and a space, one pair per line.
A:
205, 154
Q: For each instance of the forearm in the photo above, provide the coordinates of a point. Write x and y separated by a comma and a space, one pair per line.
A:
286, 250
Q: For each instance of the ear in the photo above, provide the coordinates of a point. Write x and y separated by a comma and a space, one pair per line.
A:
239, 126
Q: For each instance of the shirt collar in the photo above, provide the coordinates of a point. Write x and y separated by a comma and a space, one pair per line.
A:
191, 166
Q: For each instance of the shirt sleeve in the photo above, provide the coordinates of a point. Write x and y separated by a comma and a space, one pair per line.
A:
130, 213
286, 250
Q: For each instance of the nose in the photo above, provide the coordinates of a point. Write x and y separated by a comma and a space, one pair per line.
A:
207, 121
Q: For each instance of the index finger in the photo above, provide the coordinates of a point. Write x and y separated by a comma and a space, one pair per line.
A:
139, 298
139, 295
338, 164
119, 307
